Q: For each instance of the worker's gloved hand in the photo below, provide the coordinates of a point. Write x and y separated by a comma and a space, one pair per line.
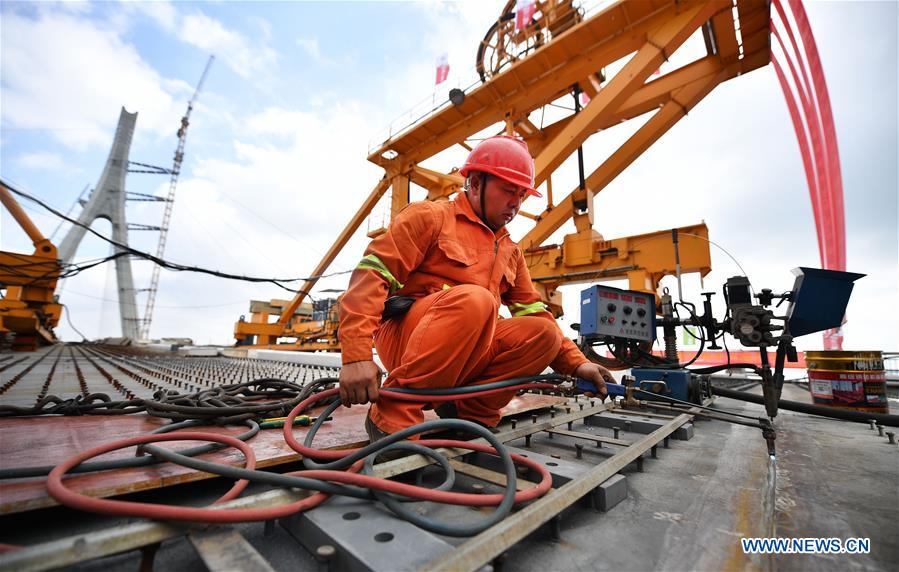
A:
597, 374
359, 382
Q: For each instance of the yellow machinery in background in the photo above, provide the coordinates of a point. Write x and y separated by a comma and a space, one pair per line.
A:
28, 308
560, 53
314, 324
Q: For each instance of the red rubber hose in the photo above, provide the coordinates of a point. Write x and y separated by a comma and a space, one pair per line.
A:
446, 497
334, 455
409, 490
66, 496
165, 512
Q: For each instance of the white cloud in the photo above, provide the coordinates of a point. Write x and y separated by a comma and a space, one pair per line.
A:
243, 55
71, 6
78, 92
234, 49
279, 121
307, 179
42, 160
161, 12
312, 48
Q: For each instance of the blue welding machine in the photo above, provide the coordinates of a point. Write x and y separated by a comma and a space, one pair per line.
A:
676, 383
608, 312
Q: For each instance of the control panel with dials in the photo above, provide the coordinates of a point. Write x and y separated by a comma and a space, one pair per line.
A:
616, 313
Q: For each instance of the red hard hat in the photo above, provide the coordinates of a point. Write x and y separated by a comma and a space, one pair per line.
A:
506, 157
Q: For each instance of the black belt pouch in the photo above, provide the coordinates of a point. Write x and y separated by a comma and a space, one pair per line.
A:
396, 306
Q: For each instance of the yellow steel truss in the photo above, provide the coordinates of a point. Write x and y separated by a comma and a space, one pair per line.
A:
646, 33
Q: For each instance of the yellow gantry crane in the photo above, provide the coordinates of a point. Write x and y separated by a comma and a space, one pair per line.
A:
561, 52
28, 308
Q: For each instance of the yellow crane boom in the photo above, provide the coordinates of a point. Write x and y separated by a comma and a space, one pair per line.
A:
28, 309
563, 51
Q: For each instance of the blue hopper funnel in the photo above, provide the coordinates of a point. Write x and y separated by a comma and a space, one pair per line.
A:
819, 299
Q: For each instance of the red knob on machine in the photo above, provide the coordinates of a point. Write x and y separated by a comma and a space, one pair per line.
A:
611, 319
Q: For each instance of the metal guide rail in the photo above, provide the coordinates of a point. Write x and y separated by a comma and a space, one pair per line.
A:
585, 445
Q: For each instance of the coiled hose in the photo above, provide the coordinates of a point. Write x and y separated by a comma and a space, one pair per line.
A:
344, 472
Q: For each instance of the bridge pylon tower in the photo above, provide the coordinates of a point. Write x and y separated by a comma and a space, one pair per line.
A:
107, 201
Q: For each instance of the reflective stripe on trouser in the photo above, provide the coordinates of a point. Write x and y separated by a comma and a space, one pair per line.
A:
452, 338
525, 309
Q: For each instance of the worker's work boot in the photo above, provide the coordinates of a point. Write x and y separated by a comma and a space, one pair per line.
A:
374, 432
447, 410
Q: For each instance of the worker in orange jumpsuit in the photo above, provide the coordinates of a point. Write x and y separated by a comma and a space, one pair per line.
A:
455, 263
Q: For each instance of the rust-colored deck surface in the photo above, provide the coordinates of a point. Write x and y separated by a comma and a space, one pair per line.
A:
39, 441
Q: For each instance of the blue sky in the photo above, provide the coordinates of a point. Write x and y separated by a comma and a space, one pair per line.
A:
275, 163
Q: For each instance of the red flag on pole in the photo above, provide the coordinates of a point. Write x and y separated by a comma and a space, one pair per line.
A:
524, 12
442, 69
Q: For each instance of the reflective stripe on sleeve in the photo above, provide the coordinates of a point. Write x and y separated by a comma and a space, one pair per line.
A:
372, 262
525, 309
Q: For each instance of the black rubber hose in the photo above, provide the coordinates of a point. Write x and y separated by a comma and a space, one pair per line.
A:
449, 472
844, 414
716, 368
259, 476
392, 442
388, 443
547, 378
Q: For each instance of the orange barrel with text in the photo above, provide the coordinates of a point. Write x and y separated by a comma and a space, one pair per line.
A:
850, 380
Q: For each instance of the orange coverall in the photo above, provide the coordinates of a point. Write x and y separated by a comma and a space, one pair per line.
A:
459, 271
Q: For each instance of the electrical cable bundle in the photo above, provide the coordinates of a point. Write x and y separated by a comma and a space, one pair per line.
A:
329, 472
220, 405
70, 270
238, 403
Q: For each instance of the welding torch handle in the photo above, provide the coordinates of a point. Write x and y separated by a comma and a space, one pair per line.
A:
614, 389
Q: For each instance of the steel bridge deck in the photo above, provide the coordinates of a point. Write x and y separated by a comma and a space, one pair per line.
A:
686, 509
71, 371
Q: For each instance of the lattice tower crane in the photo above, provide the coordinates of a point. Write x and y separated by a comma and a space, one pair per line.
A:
169, 203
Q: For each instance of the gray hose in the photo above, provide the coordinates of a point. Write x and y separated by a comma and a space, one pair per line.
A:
545, 378
833, 412
389, 442
392, 442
